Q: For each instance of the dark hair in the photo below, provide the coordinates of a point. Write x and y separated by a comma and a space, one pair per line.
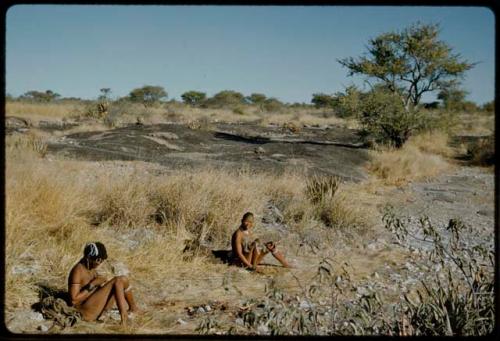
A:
247, 216
95, 250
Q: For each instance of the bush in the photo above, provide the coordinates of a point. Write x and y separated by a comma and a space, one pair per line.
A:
348, 104
489, 107
148, 95
321, 100
384, 116
193, 97
271, 105
482, 151
224, 99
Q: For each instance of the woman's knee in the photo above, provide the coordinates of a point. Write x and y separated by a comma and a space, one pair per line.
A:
121, 280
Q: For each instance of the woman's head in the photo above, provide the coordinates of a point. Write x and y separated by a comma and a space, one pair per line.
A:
95, 253
247, 220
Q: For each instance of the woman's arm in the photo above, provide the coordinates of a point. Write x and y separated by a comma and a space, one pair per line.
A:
239, 252
78, 293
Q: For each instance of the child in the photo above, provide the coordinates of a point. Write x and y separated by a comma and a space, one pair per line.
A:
248, 254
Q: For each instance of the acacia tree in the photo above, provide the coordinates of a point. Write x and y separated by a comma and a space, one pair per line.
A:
39, 96
148, 95
193, 97
410, 63
256, 98
321, 100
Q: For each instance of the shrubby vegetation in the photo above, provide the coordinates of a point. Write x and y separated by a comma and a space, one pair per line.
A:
193, 97
148, 95
39, 96
461, 304
407, 64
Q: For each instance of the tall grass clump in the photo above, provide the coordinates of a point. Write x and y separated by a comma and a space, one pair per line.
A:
331, 205
414, 161
29, 143
482, 151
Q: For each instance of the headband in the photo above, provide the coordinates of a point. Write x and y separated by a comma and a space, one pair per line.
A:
94, 252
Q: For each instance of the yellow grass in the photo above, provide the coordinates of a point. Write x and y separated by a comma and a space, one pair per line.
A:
475, 124
36, 112
54, 207
435, 142
409, 163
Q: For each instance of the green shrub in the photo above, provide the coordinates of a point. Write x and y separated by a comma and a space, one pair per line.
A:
321, 100
224, 99
193, 97
272, 105
148, 95
348, 104
384, 116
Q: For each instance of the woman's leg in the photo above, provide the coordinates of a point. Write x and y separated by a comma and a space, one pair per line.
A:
132, 306
99, 300
281, 258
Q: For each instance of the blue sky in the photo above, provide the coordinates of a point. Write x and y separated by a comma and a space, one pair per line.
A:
284, 52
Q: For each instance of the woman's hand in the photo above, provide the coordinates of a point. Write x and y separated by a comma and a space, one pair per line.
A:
99, 281
270, 246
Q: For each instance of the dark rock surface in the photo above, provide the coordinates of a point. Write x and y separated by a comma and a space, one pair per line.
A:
335, 151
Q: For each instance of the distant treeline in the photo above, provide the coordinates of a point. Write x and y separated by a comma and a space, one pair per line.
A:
343, 104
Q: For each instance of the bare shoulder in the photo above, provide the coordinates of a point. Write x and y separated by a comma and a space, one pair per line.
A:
237, 234
76, 272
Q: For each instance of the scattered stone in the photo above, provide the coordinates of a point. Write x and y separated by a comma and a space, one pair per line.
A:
165, 135
259, 150
305, 305
200, 310
239, 321
272, 215
278, 156
181, 322
208, 308
362, 290
16, 122
25, 269
262, 329
36, 316
43, 328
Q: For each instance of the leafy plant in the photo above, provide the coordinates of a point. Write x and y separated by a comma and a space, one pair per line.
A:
465, 304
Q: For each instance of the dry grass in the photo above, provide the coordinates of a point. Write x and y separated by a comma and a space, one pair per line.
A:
49, 218
36, 112
475, 124
435, 142
414, 161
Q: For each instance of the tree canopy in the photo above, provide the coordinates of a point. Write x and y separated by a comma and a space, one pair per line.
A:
321, 100
40, 96
148, 95
411, 62
193, 97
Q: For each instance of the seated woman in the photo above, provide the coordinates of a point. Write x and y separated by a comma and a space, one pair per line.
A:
248, 254
93, 295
